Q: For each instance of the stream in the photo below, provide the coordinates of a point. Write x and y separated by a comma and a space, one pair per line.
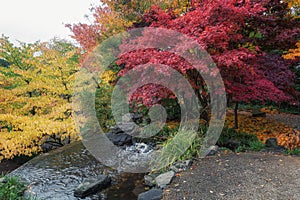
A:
56, 174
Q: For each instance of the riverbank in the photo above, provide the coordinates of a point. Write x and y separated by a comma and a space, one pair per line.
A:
7, 166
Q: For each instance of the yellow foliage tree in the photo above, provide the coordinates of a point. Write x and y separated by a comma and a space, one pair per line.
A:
36, 91
134, 9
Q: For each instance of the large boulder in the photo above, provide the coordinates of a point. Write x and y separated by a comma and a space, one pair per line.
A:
54, 142
120, 138
272, 143
92, 186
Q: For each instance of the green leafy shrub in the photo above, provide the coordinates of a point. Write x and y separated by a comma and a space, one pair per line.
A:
11, 188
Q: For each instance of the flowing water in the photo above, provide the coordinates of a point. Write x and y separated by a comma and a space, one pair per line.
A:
56, 174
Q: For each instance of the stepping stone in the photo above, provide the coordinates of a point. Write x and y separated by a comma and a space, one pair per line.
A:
154, 194
164, 179
92, 186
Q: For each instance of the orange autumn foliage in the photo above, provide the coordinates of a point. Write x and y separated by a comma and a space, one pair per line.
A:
293, 53
265, 128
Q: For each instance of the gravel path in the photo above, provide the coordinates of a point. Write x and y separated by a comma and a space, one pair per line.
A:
288, 119
245, 176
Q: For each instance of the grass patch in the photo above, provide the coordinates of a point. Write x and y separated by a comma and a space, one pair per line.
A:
252, 146
239, 141
11, 188
177, 145
293, 152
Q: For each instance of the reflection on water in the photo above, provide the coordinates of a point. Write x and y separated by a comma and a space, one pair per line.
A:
128, 188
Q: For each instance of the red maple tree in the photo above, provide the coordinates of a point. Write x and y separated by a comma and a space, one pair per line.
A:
245, 38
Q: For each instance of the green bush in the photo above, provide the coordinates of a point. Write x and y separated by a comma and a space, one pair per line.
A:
11, 188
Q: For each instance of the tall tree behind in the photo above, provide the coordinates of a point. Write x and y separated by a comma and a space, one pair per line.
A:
117, 15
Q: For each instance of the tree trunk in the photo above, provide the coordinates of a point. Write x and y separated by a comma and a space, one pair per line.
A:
236, 120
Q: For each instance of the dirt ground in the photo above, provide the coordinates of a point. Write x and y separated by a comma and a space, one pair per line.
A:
7, 166
244, 176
